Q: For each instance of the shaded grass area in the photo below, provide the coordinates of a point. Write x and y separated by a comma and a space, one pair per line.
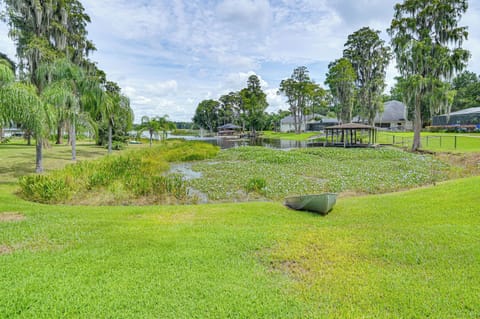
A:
313, 170
18, 159
412, 254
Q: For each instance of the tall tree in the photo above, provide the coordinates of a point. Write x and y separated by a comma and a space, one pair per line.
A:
255, 102
113, 108
341, 80
427, 40
369, 57
230, 108
206, 115
69, 89
20, 103
301, 93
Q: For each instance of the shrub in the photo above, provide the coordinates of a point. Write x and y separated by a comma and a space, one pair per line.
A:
256, 184
137, 173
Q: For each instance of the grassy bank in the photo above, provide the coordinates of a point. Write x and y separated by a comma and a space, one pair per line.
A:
139, 176
288, 136
413, 254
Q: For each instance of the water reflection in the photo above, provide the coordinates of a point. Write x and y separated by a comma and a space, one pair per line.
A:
225, 143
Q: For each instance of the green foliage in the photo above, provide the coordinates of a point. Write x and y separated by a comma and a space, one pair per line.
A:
46, 188
467, 88
369, 57
141, 173
256, 184
206, 115
254, 102
341, 80
304, 96
427, 42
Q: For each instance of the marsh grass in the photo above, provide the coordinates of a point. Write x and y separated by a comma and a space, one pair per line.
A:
121, 179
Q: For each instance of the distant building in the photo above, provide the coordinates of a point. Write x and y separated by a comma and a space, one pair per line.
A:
313, 123
469, 116
394, 117
13, 129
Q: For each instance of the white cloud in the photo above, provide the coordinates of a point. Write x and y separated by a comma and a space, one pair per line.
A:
169, 55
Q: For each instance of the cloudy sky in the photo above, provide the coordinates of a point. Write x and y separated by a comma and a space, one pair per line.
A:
170, 55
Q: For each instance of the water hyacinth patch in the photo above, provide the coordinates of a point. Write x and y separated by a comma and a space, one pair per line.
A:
313, 170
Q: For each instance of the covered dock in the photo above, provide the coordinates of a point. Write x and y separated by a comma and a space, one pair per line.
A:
229, 130
351, 135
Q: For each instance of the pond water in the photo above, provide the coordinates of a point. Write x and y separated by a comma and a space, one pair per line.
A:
225, 143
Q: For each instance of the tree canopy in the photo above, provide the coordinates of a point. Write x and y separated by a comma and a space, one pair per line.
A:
427, 42
369, 57
341, 80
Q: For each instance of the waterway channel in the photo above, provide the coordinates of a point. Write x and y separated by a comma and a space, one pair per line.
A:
225, 143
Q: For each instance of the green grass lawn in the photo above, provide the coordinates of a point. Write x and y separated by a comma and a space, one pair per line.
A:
413, 254
439, 142
288, 136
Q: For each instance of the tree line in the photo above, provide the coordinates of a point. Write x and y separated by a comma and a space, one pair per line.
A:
426, 44
55, 87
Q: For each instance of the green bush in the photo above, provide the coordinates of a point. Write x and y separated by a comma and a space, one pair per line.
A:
256, 184
141, 173
46, 188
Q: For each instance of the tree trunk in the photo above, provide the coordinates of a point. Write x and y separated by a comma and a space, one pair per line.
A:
73, 137
1, 133
151, 137
417, 128
109, 137
59, 133
39, 155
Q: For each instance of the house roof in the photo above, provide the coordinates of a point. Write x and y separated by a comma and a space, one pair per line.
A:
355, 126
471, 110
393, 111
290, 120
229, 126
310, 119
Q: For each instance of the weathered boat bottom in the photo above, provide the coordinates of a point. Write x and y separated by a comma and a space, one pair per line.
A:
318, 203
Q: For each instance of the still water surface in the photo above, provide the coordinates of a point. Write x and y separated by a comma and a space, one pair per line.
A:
233, 142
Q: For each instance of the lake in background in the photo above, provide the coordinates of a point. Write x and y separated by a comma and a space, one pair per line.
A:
235, 142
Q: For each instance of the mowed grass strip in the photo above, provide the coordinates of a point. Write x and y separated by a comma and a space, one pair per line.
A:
414, 254
433, 141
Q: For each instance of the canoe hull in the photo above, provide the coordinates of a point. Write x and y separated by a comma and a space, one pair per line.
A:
318, 203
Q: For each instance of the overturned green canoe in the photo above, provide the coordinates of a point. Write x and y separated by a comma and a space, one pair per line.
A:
319, 203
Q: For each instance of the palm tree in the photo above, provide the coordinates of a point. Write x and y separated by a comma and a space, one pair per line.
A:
68, 88
151, 125
20, 103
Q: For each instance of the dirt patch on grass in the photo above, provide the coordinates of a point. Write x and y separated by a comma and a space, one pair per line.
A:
11, 217
4, 250
468, 164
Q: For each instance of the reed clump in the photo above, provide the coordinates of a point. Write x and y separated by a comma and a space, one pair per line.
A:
136, 176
